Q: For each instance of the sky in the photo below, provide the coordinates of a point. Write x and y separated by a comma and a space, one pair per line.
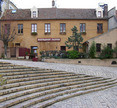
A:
24, 4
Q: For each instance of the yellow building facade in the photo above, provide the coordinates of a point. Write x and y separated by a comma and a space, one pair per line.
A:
48, 25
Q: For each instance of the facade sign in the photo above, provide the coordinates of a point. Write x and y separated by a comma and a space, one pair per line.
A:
48, 39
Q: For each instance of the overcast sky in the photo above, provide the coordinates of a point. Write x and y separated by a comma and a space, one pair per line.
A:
64, 3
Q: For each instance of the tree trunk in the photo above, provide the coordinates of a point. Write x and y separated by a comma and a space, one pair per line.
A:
5, 50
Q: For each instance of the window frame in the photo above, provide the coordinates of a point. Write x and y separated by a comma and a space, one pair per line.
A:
34, 14
63, 28
47, 28
99, 14
20, 29
7, 29
98, 47
99, 27
82, 27
34, 28
63, 48
109, 45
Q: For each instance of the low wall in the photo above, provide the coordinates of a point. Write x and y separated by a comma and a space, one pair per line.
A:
93, 62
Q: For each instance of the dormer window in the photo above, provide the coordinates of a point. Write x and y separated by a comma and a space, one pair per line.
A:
99, 13
34, 14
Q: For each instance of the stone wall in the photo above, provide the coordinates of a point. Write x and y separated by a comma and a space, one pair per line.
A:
92, 62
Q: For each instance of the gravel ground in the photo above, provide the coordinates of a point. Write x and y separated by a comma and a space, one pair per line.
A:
102, 99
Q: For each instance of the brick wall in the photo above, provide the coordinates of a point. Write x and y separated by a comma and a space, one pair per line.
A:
27, 40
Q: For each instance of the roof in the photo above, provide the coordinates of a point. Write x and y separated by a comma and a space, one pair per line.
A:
52, 13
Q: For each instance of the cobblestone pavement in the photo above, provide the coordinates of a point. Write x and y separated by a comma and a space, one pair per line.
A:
102, 99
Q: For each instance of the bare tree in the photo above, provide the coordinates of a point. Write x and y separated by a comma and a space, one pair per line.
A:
6, 35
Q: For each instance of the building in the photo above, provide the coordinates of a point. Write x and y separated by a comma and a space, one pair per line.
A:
6, 4
112, 21
108, 38
44, 29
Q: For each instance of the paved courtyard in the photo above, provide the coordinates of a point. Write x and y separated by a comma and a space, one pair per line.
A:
102, 99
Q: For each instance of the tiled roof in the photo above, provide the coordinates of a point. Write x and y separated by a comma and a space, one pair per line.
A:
52, 13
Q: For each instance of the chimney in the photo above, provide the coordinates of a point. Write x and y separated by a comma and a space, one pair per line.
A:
105, 9
53, 3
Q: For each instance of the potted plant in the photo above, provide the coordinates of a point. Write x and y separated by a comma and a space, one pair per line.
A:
34, 33
27, 55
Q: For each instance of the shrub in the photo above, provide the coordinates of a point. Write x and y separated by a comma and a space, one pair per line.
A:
106, 53
83, 55
115, 49
2, 80
73, 54
92, 51
2, 56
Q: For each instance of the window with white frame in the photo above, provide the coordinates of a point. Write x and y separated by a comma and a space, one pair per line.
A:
47, 28
34, 14
20, 28
62, 28
34, 28
99, 13
82, 27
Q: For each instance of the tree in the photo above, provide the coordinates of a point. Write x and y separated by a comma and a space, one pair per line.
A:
6, 35
74, 40
115, 49
92, 51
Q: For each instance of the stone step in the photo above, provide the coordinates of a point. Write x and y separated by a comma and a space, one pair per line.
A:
37, 74
17, 70
7, 65
51, 85
33, 72
38, 77
36, 98
73, 81
52, 101
74, 78
4, 63
12, 67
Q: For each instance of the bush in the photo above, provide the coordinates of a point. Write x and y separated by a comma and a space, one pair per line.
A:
115, 49
73, 54
2, 80
106, 53
83, 55
2, 56
92, 51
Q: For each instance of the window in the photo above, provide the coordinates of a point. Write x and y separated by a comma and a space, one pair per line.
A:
82, 27
63, 48
47, 28
99, 13
17, 44
109, 46
99, 27
7, 29
34, 14
20, 28
98, 47
62, 28
34, 28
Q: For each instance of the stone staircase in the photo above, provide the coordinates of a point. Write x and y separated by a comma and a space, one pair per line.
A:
40, 88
